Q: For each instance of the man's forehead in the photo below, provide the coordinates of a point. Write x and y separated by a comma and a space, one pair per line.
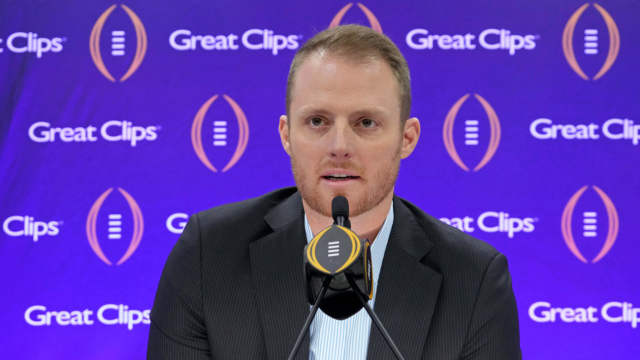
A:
327, 70
332, 81
331, 57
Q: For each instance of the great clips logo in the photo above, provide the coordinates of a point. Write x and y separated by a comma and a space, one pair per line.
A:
611, 129
476, 132
493, 222
212, 137
108, 225
373, 21
31, 43
111, 131
590, 42
591, 224
488, 39
120, 44
28, 226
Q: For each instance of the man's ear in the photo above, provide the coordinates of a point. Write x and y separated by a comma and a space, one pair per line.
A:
410, 136
283, 129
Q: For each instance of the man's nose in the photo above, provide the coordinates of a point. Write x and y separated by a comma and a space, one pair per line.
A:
341, 141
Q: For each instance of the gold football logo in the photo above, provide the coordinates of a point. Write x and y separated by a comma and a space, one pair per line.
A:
354, 242
373, 21
567, 218
590, 40
141, 43
115, 226
220, 136
447, 132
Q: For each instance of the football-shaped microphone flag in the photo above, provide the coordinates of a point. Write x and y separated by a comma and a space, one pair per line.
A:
337, 252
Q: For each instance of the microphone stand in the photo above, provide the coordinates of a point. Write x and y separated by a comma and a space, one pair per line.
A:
365, 304
312, 314
375, 318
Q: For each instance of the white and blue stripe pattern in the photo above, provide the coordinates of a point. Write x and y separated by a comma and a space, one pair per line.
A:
348, 339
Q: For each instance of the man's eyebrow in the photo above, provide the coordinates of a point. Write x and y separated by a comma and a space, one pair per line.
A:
372, 111
309, 110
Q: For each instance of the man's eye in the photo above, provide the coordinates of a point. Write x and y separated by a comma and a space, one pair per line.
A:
316, 121
367, 123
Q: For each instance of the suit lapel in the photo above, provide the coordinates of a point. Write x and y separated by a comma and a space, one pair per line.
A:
276, 267
407, 291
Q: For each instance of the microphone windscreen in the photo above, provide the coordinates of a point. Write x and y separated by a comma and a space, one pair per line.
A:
340, 207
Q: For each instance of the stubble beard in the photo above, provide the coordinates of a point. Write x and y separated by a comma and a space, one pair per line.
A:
311, 194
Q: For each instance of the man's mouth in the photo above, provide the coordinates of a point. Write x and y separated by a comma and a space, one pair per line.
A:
340, 177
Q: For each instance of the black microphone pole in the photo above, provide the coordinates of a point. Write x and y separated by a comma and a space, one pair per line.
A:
375, 319
365, 304
312, 314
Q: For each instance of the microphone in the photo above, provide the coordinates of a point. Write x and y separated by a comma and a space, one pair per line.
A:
337, 251
340, 211
338, 275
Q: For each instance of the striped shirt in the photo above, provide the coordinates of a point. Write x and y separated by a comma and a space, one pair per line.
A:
348, 338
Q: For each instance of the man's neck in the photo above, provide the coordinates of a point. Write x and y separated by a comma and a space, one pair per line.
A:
366, 225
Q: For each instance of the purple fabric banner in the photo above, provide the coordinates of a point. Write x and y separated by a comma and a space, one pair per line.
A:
118, 120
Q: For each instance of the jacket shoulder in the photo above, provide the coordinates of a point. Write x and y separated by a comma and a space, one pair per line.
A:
451, 245
243, 213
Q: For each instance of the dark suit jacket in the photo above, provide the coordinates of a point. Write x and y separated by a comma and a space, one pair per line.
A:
232, 288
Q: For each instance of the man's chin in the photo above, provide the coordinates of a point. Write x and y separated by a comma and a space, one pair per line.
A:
321, 203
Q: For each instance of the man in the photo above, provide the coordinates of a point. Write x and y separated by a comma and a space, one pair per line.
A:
232, 287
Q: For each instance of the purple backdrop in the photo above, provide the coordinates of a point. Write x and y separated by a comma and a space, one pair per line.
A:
111, 133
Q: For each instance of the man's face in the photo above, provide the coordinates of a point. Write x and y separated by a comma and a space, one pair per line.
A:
344, 135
